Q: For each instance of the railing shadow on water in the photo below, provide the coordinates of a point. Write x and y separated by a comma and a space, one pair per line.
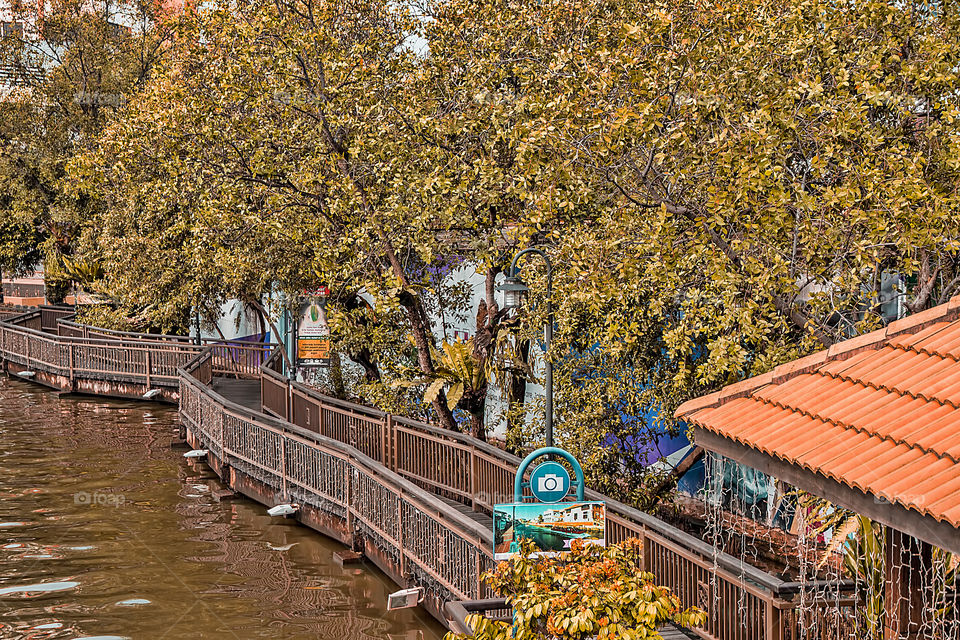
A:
385, 478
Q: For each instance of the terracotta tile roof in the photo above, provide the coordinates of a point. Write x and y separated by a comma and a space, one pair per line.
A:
879, 412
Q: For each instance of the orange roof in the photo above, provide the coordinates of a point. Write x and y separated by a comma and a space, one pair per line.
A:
879, 412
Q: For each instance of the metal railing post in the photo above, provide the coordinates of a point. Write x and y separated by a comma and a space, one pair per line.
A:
149, 367
349, 499
288, 410
385, 441
400, 545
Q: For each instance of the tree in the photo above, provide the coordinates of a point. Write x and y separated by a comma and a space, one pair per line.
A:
721, 187
67, 70
767, 164
751, 172
266, 156
588, 592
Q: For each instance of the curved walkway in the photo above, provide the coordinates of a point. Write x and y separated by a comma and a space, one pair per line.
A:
413, 498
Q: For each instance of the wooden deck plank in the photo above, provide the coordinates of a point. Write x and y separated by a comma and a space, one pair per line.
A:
671, 632
246, 393
481, 518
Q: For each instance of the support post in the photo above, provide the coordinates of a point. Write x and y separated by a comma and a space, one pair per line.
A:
403, 552
352, 538
288, 411
473, 479
384, 438
774, 620
149, 367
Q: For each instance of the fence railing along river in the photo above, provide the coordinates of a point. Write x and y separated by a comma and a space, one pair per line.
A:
412, 497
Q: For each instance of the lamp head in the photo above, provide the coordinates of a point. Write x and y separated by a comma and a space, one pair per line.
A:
514, 291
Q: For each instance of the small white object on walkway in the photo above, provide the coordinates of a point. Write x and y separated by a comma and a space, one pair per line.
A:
283, 510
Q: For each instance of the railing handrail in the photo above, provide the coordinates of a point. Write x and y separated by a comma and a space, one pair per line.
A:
162, 337
401, 484
10, 325
137, 335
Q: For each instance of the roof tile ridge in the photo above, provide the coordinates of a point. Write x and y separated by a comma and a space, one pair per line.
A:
895, 390
923, 351
722, 396
916, 322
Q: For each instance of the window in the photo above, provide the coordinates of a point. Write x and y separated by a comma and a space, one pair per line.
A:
11, 30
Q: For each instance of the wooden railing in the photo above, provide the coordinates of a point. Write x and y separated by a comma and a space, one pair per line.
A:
44, 339
23, 342
425, 538
384, 476
24, 289
238, 358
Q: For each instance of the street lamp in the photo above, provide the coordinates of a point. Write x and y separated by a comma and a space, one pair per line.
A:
514, 291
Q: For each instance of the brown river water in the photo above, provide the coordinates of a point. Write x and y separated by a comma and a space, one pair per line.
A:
108, 532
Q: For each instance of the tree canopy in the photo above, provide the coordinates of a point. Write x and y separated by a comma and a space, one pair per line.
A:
722, 187
65, 72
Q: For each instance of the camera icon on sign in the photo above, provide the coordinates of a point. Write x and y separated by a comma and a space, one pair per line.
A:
549, 482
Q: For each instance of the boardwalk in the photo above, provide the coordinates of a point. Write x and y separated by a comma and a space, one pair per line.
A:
416, 500
245, 393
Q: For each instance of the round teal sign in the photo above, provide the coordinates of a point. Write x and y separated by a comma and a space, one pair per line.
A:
550, 482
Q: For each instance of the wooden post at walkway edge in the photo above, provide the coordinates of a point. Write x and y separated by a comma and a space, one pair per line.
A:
473, 478
390, 459
351, 531
288, 412
774, 621
906, 562
149, 367
384, 441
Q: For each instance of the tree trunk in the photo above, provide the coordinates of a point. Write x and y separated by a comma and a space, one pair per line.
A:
419, 327
364, 358
516, 400
477, 427
283, 352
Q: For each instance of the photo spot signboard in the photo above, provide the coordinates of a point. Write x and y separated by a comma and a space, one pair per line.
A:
552, 527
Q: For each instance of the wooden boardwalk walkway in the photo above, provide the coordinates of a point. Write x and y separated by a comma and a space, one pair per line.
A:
415, 499
245, 393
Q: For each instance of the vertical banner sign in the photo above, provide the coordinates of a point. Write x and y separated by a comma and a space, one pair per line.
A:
313, 334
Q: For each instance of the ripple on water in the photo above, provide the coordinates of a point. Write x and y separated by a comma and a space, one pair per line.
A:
133, 602
43, 587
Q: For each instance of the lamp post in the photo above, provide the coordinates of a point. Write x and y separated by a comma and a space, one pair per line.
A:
514, 289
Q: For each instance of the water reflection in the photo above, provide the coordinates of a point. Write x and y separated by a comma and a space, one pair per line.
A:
106, 532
